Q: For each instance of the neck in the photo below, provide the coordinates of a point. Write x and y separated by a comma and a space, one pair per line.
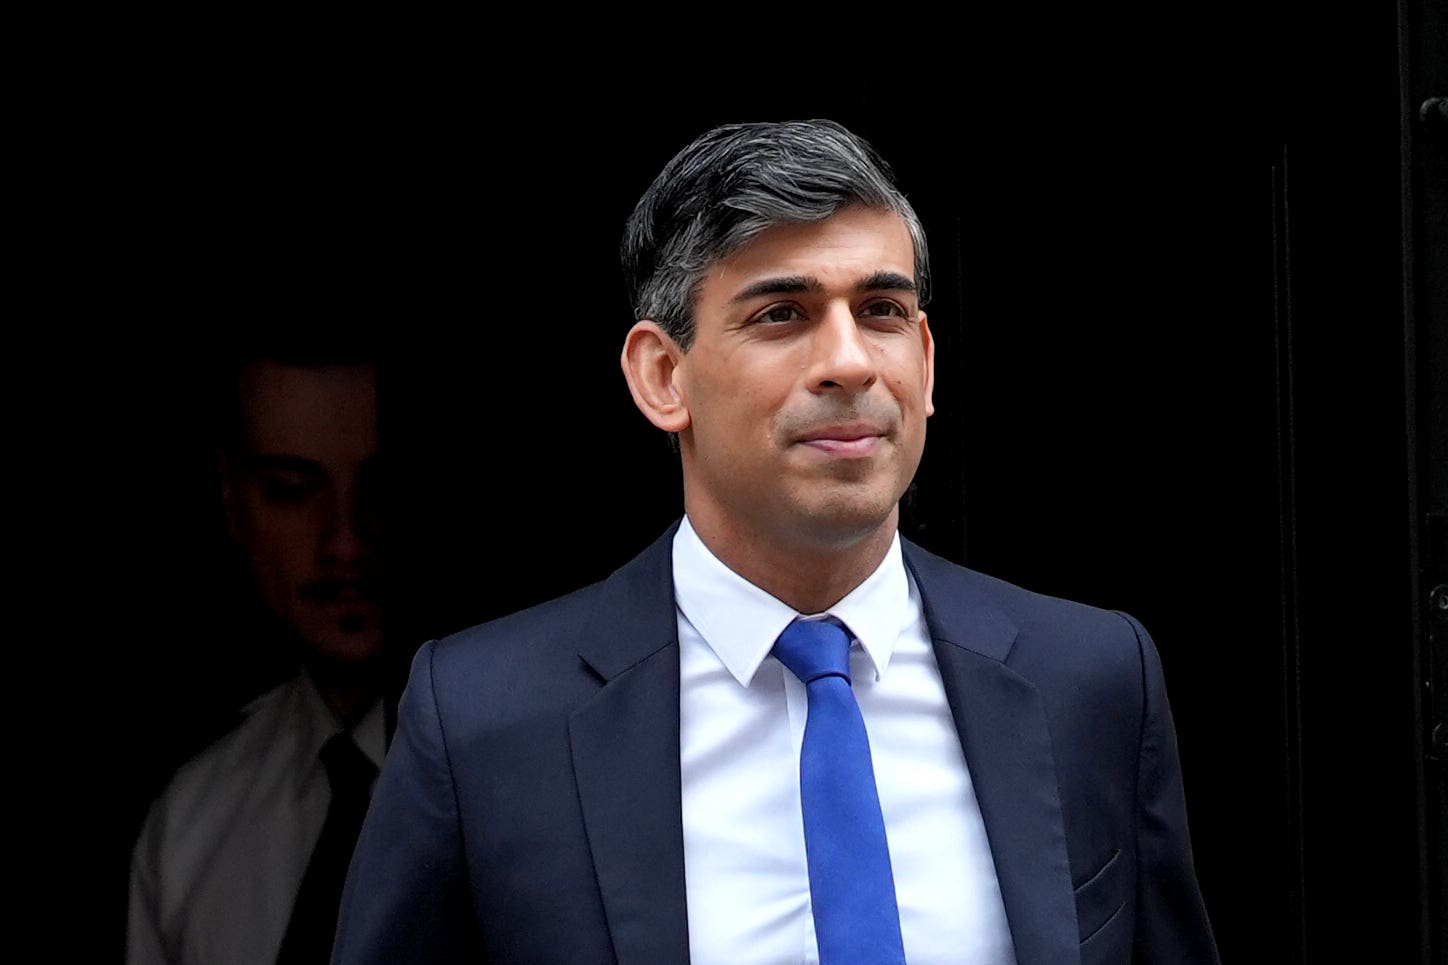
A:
348, 691
809, 576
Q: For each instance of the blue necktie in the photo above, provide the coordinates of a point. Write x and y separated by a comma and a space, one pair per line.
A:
851, 886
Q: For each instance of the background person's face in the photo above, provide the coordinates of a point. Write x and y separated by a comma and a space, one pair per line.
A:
808, 382
300, 499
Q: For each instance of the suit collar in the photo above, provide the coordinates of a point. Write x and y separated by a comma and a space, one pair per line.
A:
1001, 722
958, 607
637, 620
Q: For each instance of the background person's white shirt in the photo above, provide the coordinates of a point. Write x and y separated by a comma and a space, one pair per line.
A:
741, 724
222, 853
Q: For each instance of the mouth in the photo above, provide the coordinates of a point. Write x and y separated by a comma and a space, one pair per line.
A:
340, 592
844, 439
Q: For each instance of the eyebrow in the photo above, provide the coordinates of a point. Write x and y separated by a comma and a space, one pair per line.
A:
887, 281
276, 463
793, 284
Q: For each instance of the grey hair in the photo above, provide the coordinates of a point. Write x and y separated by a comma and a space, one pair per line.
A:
731, 184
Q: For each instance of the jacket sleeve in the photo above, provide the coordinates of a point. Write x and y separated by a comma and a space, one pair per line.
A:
407, 898
1171, 918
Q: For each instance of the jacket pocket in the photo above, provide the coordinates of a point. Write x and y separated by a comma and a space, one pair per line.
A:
1102, 895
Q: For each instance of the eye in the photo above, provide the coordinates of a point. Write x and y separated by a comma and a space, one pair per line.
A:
286, 487
883, 308
778, 314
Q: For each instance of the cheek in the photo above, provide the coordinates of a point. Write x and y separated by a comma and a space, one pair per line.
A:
731, 417
747, 434
908, 388
277, 539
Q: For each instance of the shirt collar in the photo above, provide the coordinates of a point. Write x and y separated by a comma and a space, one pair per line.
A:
316, 725
740, 622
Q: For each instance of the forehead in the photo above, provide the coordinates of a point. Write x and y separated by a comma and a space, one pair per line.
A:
322, 412
852, 244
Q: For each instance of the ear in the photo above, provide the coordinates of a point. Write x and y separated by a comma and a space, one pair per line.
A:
929, 344
650, 363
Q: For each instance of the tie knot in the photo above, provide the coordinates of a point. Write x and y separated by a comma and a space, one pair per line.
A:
348, 769
814, 648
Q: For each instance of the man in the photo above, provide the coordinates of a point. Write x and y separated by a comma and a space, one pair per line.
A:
242, 858
635, 772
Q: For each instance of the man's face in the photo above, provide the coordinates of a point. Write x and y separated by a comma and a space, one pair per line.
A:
300, 497
808, 382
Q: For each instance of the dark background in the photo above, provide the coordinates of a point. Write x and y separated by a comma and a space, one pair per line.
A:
1170, 312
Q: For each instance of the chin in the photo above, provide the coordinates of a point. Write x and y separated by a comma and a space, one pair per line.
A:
349, 651
340, 640
842, 523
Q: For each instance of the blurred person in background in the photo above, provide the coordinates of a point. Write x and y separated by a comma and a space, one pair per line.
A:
241, 859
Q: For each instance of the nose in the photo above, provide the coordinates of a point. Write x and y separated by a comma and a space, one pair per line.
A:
842, 359
346, 528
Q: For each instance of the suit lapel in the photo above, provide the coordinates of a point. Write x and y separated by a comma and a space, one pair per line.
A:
625, 744
1003, 732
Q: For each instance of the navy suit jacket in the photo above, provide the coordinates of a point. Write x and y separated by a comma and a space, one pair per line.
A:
529, 809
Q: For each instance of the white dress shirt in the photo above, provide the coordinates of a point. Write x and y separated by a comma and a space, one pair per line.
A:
742, 717
224, 848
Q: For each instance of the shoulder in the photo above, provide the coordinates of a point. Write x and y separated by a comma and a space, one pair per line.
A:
1027, 609
200, 794
1044, 637
535, 637
250, 741
526, 634
1094, 669
508, 658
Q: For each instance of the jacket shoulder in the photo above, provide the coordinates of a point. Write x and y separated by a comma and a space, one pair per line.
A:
1027, 609
545, 649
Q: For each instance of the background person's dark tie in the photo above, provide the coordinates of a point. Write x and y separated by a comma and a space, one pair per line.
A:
852, 889
314, 914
